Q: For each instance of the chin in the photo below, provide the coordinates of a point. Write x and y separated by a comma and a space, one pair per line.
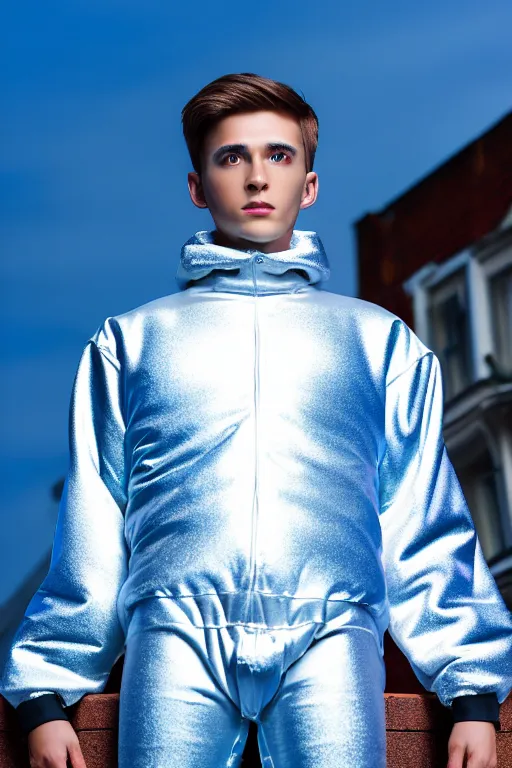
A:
262, 231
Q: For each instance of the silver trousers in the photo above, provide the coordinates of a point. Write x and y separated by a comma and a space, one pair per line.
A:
314, 690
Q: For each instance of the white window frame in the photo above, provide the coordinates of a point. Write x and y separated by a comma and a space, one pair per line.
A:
420, 285
481, 265
489, 262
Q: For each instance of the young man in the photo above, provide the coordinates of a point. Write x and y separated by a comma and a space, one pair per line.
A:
258, 487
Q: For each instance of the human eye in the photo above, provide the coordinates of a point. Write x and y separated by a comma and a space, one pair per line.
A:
277, 154
229, 156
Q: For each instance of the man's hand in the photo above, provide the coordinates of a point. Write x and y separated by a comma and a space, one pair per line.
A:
475, 741
52, 744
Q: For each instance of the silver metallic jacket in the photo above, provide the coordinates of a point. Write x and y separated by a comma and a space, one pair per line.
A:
261, 451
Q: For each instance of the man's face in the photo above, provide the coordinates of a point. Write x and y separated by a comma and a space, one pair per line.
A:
249, 158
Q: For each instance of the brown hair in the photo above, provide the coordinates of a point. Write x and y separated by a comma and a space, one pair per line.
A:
244, 92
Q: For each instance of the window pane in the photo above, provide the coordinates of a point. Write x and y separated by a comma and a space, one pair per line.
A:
500, 286
479, 482
449, 328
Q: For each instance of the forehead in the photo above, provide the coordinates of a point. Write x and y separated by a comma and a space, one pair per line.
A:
254, 129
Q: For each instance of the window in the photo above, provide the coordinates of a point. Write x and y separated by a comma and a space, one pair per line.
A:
500, 293
480, 482
449, 331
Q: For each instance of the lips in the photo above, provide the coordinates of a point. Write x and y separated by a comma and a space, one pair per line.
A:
257, 206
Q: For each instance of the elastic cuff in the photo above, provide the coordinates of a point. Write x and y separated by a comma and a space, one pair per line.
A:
481, 706
42, 709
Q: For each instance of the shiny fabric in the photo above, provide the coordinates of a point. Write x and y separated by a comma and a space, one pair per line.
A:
313, 690
261, 452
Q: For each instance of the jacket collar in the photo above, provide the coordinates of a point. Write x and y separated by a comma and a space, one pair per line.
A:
216, 265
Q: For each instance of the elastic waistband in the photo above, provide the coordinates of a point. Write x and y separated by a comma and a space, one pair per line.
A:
252, 610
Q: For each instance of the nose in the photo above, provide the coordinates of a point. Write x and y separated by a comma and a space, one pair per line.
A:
256, 179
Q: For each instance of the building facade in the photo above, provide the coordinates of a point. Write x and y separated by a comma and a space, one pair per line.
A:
440, 257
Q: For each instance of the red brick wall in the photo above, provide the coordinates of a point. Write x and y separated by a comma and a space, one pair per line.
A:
417, 731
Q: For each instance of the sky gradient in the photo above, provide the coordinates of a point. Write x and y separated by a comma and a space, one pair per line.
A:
94, 204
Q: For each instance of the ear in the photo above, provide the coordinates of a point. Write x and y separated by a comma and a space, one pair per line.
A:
196, 191
310, 191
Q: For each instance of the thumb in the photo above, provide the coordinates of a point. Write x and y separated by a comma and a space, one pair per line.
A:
75, 756
455, 756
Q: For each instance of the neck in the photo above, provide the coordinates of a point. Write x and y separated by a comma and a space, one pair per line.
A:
239, 243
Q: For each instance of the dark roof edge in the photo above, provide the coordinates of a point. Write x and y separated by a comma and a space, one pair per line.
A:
434, 170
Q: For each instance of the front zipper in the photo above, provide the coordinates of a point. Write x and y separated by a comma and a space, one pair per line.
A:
254, 521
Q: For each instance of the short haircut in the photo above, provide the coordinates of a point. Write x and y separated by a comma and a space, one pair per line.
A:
244, 92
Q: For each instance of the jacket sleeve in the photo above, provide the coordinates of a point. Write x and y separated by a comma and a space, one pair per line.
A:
446, 612
70, 636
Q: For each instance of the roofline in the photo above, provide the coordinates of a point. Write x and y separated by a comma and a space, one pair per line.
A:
434, 170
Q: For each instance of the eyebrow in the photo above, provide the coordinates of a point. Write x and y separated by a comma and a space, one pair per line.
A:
242, 149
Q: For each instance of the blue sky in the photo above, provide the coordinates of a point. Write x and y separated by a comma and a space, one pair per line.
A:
94, 206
